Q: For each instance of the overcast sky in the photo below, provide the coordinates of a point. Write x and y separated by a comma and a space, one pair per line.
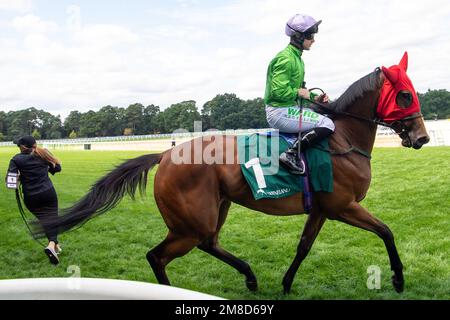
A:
63, 55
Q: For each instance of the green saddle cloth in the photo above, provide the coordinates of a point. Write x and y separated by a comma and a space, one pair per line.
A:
258, 156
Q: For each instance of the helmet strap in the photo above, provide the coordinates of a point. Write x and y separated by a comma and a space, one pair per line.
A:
297, 41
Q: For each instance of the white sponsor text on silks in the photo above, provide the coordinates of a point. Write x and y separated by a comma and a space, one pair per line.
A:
308, 115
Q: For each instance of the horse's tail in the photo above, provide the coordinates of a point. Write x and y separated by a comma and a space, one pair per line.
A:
104, 195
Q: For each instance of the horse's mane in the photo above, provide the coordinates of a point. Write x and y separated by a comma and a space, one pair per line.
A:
369, 82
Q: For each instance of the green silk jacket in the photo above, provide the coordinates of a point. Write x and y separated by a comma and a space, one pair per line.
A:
285, 76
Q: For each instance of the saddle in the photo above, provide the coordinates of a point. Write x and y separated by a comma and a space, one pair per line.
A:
258, 155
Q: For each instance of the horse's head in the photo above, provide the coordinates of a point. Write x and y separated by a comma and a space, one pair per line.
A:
399, 106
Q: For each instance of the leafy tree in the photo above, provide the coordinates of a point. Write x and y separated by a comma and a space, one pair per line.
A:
224, 111
108, 121
253, 114
88, 124
435, 104
48, 125
54, 134
73, 135
36, 134
25, 122
206, 116
19, 123
151, 119
181, 116
218, 112
73, 122
134, 118
2, 122
159, 123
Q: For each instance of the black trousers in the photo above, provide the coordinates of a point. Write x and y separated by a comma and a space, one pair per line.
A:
44, 205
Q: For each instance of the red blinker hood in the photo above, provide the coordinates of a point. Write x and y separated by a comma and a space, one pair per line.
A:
396, 80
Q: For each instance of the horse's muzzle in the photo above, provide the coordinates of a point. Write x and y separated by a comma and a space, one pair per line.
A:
406, 142
421, 141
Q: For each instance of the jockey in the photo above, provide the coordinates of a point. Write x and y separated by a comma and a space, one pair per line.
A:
285, 84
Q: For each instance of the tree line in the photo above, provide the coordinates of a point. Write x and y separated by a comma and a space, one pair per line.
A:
225, 111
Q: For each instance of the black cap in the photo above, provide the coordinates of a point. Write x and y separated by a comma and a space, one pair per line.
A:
27, 141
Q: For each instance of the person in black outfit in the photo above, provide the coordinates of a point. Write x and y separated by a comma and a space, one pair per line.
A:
33, 165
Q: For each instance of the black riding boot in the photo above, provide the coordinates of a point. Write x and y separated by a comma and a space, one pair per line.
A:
290, 157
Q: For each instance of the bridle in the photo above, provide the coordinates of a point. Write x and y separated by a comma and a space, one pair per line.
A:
398, 126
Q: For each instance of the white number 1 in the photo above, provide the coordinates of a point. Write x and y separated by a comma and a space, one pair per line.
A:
257, 169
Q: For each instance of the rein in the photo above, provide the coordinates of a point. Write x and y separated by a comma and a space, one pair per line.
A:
397, 126
343, 113
351, 148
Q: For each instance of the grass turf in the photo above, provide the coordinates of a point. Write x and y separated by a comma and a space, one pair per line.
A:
409, 192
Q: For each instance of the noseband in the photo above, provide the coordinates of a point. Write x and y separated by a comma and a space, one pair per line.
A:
401, 129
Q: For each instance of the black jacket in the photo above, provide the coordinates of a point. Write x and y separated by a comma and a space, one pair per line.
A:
33, 172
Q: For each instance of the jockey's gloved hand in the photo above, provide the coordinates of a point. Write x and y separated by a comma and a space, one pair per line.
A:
323, 98
303, 93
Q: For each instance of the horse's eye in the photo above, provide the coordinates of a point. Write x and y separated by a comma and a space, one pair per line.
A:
404, 99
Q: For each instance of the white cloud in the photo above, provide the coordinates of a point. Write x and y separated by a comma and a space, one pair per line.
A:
187, 3
105, 36
176, 32
33, 24
211, 50
16, 5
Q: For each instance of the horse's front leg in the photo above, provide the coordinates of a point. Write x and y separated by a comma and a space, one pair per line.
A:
358, 216
310, 231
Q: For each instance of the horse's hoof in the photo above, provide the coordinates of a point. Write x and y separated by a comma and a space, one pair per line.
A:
252, 285
286, 288
398, 284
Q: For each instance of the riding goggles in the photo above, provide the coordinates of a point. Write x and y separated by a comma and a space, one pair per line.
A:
309, 36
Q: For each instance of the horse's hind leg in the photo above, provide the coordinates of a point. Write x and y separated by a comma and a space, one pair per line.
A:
172, 247
212, 247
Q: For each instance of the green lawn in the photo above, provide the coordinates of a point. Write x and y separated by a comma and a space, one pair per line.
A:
410, 192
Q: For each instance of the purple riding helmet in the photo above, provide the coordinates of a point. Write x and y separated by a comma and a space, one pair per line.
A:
303, 25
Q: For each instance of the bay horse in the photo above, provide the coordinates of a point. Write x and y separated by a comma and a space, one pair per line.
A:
194, 198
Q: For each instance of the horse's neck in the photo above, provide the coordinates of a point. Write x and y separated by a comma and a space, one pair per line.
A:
359, 133
356, 132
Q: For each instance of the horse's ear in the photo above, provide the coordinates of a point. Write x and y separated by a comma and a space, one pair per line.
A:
391, 75
404, 62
